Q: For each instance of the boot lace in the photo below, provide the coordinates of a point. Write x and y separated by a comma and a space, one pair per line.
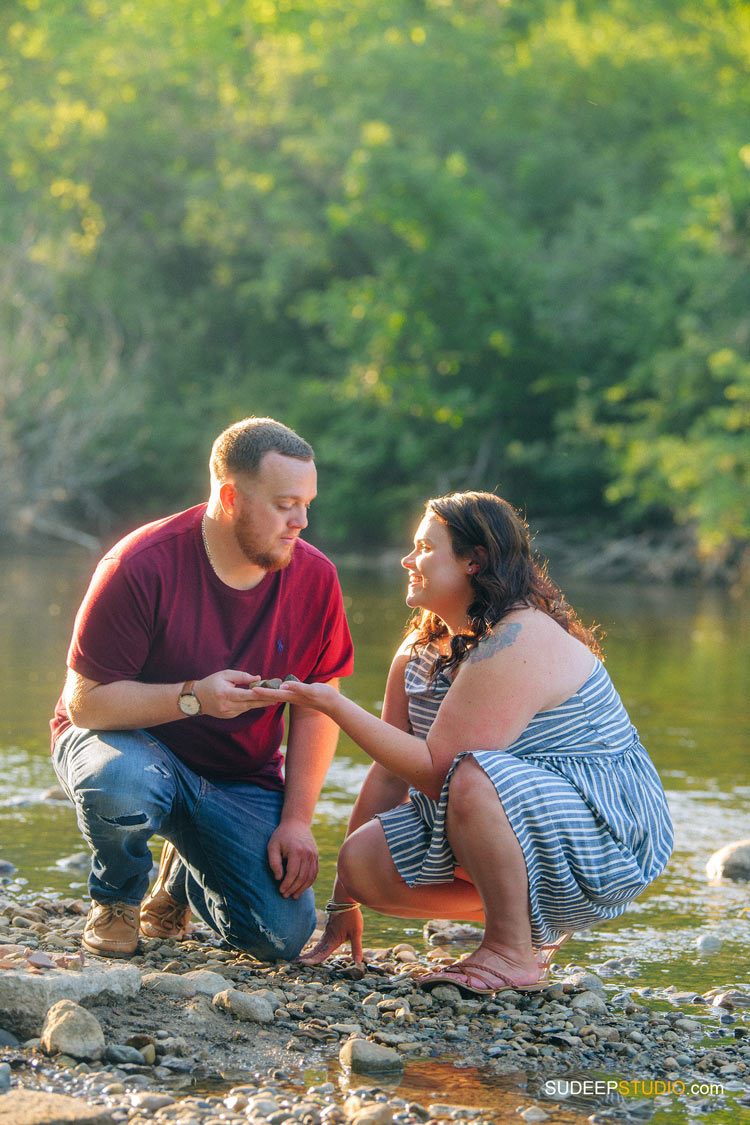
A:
171, 916
111, 910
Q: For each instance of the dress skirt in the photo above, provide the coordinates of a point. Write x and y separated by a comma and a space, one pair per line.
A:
580, 793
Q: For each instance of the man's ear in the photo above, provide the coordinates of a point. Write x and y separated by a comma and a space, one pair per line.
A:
228, 497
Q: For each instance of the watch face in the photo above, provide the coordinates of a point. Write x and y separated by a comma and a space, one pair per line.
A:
189, 704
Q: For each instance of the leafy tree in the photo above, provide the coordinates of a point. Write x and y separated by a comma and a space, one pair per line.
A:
454, 244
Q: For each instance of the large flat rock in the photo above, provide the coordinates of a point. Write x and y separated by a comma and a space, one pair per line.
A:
34, 1107
25, 997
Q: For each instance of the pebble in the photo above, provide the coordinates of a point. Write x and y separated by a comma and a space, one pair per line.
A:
175, 984
692, 1027
308, 1016
589, 1002
440, 931
151, 1101
79, 861
122, 1054
588, 981
730, 862
366, 1057
730, 998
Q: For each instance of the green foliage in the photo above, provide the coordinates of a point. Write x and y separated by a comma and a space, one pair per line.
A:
455, 244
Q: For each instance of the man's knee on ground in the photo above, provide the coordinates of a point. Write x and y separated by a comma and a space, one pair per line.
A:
278, 937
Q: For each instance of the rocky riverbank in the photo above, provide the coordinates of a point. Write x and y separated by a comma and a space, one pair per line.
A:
197, 1034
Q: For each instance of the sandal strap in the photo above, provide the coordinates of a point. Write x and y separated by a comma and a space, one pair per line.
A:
547, 952
482, 973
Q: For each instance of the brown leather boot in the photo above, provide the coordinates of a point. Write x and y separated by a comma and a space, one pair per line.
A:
111, 929
161, 915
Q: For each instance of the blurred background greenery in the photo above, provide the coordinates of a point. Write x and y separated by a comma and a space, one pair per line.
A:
455, 243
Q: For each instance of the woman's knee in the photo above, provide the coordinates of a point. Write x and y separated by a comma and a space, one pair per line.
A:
365, 866
350, 866
465, 783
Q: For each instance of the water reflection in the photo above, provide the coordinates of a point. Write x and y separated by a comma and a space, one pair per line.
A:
439, 1084
449, 1090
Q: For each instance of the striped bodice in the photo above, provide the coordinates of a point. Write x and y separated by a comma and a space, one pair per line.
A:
423, 693
593, 721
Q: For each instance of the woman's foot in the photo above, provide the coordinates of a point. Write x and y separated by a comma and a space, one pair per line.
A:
487, 971
475, 980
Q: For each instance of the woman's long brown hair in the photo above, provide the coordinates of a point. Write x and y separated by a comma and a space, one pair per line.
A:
486, 528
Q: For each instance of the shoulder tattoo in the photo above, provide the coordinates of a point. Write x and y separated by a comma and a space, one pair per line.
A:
503, 637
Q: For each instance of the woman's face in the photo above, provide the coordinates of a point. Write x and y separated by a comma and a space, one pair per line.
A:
438, 580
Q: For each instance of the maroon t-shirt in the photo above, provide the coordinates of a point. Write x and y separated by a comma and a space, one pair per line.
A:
156, 612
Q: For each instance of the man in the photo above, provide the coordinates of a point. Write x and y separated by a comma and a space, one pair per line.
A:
158, 729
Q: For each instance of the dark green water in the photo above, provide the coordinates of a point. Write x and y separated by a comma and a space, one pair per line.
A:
679, 658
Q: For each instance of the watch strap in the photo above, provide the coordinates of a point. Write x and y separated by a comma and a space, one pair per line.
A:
187, 690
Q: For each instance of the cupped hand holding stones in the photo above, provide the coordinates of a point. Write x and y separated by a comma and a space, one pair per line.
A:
321, 697
230, 693
225, 694
276, 683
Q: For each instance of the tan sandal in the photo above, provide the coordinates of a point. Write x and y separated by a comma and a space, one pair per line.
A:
475, 980
472, 979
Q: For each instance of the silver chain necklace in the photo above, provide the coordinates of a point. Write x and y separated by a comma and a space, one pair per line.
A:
205, 544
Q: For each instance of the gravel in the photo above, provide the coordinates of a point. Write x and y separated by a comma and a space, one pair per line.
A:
228, 1040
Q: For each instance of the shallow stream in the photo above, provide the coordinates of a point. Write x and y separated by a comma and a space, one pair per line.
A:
680, 659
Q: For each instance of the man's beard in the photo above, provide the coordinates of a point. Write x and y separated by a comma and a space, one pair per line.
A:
260, 555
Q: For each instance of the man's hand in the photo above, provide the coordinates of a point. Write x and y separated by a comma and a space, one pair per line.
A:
227, 694
293, 856
340, 928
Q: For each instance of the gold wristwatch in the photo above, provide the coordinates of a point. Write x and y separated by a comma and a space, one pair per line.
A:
188, 701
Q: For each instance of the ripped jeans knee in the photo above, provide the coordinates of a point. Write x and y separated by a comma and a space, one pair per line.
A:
123, 790
124, 820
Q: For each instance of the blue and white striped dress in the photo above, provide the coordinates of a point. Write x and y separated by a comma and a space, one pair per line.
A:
581, 795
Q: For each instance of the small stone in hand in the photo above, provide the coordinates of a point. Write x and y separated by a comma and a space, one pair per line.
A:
276, 683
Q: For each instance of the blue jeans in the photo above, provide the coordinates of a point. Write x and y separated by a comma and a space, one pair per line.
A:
126, 786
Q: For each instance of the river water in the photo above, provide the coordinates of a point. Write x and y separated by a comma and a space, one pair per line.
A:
678, 656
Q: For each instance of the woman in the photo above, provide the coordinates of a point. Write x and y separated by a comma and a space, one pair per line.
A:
508, 784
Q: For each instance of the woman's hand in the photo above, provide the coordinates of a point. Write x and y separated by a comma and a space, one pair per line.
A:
321, 697
342, 927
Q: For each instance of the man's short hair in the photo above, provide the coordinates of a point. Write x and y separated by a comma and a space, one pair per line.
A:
240, 447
